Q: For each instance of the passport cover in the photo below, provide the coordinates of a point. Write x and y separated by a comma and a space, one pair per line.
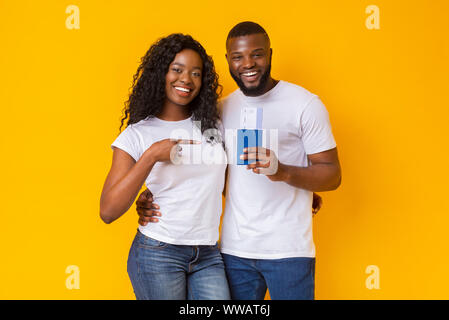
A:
247, 138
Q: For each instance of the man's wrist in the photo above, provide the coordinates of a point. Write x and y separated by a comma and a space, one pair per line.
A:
283, 172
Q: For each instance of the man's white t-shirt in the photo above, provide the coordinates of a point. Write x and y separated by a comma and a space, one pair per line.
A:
188, 191
264, 219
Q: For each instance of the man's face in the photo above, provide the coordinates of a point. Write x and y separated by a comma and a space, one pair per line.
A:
249, 60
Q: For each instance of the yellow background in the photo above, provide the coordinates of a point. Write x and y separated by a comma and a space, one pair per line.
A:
62, 92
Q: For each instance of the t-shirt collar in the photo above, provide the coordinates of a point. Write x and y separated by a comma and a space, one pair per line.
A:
265, 95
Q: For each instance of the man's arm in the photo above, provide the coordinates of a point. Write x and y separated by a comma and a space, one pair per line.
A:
148, 210
317, 203
324, 173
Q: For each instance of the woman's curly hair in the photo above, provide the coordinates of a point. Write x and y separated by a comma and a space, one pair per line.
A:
148, 88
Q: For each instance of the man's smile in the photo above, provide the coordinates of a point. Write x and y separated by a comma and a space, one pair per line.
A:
250, 76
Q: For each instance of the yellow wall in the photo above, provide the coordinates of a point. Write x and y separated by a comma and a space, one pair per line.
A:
387, 90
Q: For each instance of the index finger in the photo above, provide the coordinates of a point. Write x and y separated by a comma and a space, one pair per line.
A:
187, 141
256, 150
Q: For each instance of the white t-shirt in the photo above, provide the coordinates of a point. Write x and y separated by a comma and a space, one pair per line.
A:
265, 219
189, 192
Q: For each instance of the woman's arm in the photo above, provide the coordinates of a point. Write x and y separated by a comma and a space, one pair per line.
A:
127, 176
123, 182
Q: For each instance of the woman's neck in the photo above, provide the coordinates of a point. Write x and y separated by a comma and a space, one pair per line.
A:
172, 112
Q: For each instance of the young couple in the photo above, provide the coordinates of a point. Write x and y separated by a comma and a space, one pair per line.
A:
173, 113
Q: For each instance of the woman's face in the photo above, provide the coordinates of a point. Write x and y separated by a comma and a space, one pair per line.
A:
183, 79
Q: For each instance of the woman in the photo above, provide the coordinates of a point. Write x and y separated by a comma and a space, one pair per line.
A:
171, 143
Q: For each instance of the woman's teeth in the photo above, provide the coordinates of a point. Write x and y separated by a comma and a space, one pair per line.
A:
182, 89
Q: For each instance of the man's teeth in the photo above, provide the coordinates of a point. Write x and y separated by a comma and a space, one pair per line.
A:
249, 74
182, 89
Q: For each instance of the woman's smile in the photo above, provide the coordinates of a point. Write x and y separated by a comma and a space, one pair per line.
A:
183, 91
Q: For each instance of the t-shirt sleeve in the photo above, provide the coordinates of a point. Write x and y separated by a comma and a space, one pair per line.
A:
316, 130
130, 142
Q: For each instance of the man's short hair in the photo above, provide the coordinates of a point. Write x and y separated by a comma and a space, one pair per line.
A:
246, 28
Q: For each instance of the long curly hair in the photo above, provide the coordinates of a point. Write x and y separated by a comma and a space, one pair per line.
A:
148, 88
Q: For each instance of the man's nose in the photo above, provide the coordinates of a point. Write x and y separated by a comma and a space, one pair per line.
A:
248, 63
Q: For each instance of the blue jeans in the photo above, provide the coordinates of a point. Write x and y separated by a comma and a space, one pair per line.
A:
286, 279
162, 271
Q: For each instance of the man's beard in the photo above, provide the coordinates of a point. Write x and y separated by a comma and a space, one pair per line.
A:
256, 91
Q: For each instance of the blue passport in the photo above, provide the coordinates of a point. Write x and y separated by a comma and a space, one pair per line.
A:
247, 138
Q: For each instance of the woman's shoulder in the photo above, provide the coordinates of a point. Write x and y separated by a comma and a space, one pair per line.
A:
144, 122
142, 125
140, 129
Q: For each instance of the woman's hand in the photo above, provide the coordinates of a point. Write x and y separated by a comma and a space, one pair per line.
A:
146, 209
168, 149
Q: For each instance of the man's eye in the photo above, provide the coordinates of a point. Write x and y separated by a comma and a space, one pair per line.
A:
236, 58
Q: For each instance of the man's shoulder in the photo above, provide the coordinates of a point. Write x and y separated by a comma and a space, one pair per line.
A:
233, 95
229, 100
296, 91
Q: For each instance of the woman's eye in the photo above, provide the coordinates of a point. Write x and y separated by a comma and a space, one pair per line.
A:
176, 70
196, 74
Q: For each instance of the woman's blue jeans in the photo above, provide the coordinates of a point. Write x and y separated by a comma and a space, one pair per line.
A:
162, 271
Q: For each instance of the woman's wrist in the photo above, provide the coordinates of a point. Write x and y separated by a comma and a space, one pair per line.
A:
149, 157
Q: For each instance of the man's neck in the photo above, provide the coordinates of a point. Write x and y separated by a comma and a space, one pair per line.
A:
271, 83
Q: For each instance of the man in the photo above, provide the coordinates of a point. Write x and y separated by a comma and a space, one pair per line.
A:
266, 238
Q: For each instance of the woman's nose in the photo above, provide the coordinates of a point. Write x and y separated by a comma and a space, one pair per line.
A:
185, 77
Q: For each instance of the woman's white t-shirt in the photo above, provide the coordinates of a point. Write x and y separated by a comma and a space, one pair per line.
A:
188, 191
